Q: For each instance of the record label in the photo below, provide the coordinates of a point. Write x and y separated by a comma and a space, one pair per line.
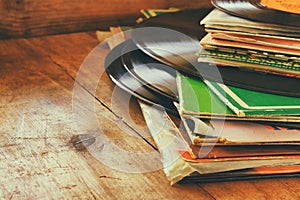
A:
290, 6
255, 10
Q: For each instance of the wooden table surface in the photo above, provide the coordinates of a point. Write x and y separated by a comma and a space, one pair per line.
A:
37, 157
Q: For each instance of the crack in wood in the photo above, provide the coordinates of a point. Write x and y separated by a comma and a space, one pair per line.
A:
110, 177
102, 103
206, 192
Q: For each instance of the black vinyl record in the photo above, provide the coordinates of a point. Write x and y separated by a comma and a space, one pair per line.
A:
151, 73
172, 38
233, 176
159, 76
260, 81
123, 79
255, 10
185, 21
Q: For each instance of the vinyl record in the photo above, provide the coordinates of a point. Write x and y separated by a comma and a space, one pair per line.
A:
151, 73
119, 75
260, 81
232, 176
255, 10
123, 79
144, 69
172, 38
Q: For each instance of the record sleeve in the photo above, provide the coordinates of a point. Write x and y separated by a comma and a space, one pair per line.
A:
180, 166
197, 100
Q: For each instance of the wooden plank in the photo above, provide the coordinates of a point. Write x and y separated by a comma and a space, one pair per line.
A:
38, 161
27, 18
70, 62
36, 158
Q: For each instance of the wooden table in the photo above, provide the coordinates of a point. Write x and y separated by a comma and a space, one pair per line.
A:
37, 153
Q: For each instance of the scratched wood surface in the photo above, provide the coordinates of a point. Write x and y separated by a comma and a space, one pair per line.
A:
38, 121
27, 18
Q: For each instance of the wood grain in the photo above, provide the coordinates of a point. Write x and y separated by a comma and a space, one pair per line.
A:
37, 160
27, 18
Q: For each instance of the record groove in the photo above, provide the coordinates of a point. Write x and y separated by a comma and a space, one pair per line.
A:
172, 38
151, 73
123, 79
178, 50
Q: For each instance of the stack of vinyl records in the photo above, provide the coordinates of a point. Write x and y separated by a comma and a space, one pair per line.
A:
226, 90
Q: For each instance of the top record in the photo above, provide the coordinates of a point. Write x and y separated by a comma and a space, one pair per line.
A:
172, 38
256, 11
